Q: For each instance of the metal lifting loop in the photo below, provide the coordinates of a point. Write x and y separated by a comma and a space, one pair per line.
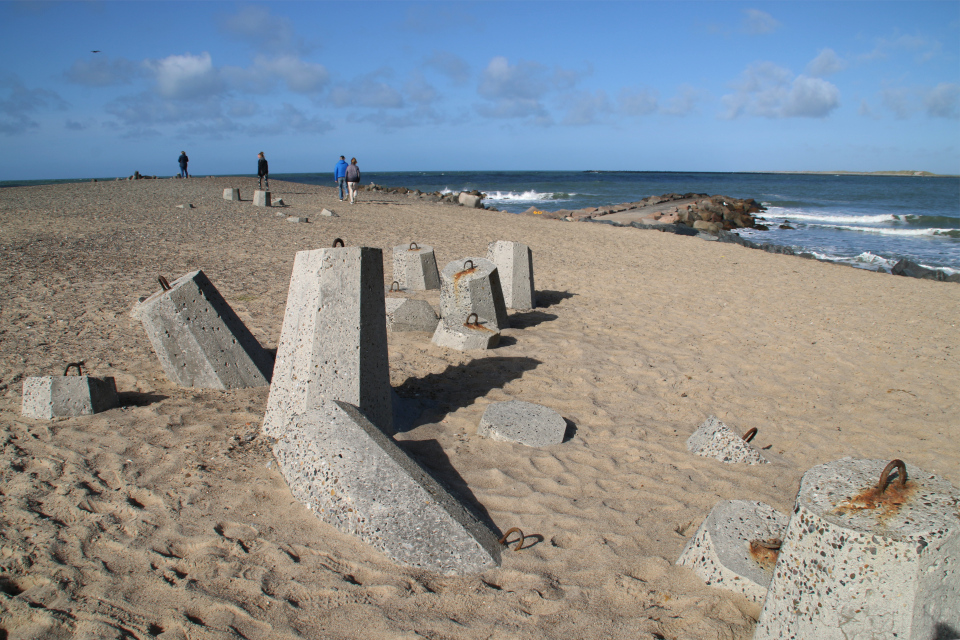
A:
504, 542
901, 474
465, 267
395, 284
340, 240
414, 247
164, 284
476, 320
773, 544
72, 365
748, 436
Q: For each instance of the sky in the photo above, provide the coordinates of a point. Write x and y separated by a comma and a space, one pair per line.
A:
443, 86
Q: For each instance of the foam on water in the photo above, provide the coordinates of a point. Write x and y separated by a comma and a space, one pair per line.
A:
528, 196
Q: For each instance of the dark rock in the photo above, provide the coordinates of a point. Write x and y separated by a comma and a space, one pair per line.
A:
786, 226
913, 270
761, 227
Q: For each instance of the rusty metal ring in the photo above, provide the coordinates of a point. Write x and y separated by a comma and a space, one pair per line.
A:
414, 247
748, 436
72, 365
340, 240
476, 319
503, 539
773, 544
395, 283
466, 268
164, 284
901, 474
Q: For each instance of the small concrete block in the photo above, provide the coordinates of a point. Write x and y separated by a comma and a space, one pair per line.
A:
472, 285
261, 198
515, 421
231, 194
721, 552
415, 267
67, 396
279, 202
333, 342
297, 219
199, 339
860, 563
404, 314
280, 214
357, 479
328, 213
469, 200
514, 262
479, 335
713, 439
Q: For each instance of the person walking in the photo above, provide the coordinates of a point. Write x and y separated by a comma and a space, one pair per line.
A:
183, 160
353, 178
340, 176
263, 171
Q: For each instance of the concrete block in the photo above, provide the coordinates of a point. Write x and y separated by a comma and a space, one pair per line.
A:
404, 314
357, 479
473, 334
297, 219
515, 421
261, 198
231, 194
514, 262
858, 562
469, 200
333, 342
328, 213
66, 396
198, 338
415, 267
472, 285
713, 439
280, 214
736, 547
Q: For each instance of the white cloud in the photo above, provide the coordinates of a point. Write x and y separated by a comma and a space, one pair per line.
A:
924, 48
759, 22
770, 91
826, 63
685, 101
522, 81
367, 91
898, 100
450, 65
102, 72
638, 102
18, 103
943, 101
185, 77
418, 90
810, 98
586, 107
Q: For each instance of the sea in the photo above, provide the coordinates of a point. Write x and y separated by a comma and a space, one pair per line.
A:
866, 221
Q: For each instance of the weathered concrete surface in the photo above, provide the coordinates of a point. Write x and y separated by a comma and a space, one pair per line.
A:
50, 397
415, 267
469, 290
231, 194
297, 219
357, 479
514, 262
516, 421
333, 342
713, 439
856, 563
329, 214
469, 200
405, 314
261, 198
198, 338
466, 337
721, 552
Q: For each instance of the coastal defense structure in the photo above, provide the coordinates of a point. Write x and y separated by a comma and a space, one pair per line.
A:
516, 421
333, 343
406, 314
66, 396
473, 333
231, 194
514, 262
261, 198
872, 550
736, 547
713, 439
472, 285
415, 267
198, 338
356, 478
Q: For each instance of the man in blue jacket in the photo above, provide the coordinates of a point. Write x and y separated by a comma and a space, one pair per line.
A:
340, 175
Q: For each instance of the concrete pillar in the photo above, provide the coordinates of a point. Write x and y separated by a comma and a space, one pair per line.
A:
736, 547
472, 285
333, 342
515, 421
231, 194
415, 267
514, 262
198, 338
474, 333
713, 439
261, 198
406, 314
66, 396
866, 557
354, 477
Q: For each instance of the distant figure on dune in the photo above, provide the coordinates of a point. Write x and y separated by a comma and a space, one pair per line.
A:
353, 178
263, 171
340, 176
183, 160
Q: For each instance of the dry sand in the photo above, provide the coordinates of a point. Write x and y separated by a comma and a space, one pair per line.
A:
168, 518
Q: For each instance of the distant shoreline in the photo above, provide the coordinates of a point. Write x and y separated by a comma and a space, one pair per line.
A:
906, 174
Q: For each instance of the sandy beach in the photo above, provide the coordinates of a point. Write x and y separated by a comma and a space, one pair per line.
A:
167, 517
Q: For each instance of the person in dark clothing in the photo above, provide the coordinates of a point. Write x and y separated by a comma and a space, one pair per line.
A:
183, 160
263, 171
353, 178
340, 176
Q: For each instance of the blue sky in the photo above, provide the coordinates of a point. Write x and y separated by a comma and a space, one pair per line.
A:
647, 86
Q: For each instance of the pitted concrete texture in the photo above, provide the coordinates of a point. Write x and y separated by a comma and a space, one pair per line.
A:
327, 213
261, 198
713, 439
514, 262
472, 290
721, 553
333, 342
516, 421
469, 200
67, 396
297, 219
357, 479
856, 563
198, 338
405, 314
415, 267
231, 194
466, 337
